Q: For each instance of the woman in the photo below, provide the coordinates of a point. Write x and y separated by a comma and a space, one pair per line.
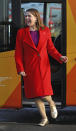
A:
33, 44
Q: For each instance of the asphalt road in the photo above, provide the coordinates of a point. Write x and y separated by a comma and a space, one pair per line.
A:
32, 127
26, 119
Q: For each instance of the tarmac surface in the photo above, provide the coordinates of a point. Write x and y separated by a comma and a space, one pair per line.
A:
26, 119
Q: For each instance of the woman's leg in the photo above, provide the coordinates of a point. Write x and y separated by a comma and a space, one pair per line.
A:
49, 100
53, 109
41, 107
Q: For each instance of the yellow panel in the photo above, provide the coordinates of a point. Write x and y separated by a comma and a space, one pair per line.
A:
8, 76
71, 39
72, 4
71, 53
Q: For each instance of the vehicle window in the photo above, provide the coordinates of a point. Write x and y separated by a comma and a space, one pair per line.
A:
5, 24
54, 19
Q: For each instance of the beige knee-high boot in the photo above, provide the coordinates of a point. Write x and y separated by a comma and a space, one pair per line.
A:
41, 107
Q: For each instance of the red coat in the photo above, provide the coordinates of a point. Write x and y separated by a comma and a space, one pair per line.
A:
35, 62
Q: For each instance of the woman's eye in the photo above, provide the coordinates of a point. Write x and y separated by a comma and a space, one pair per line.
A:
27, 16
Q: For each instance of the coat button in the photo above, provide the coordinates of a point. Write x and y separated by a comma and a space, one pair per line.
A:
38, 55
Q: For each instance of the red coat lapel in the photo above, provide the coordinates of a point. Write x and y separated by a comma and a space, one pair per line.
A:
29, 41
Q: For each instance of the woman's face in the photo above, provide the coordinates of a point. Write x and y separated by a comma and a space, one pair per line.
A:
30, 19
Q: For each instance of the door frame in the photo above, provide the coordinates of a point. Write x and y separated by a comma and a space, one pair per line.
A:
16, 20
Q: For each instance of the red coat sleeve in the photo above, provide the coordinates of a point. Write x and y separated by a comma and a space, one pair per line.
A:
52, 51
19, 52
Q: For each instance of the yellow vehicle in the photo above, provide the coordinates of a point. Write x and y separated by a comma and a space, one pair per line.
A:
60, 17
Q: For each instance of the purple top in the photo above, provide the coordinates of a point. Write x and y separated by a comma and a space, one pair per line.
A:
35, 37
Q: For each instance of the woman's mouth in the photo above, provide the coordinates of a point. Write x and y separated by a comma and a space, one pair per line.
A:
28, 22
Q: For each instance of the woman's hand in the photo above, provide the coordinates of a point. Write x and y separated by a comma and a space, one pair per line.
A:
23, 73
64, 59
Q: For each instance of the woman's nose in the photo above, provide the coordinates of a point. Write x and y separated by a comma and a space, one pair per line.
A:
26, 17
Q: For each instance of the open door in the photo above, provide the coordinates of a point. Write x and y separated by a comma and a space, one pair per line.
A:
53, 14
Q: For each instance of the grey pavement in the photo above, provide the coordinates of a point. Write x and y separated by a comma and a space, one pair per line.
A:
26, 119
32, 127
